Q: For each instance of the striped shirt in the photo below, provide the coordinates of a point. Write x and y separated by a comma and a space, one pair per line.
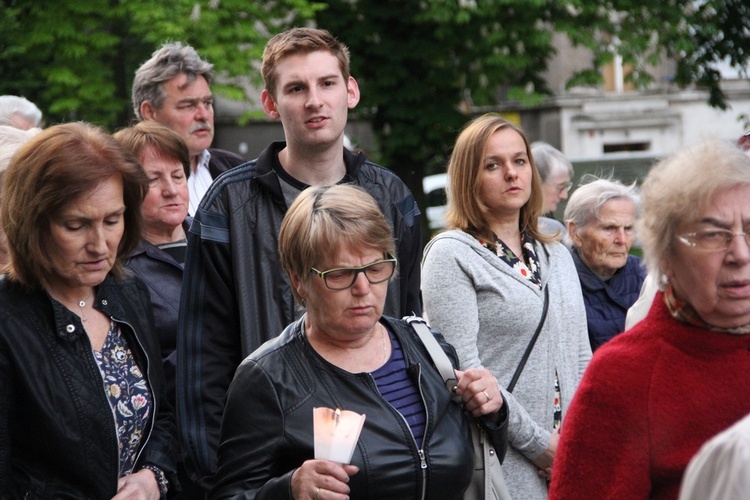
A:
401, 391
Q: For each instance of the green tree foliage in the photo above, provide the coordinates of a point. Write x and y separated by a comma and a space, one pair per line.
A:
76, 59
698, 35
423, 64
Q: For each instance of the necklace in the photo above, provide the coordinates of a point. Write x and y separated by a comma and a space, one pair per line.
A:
385, 348
82, 304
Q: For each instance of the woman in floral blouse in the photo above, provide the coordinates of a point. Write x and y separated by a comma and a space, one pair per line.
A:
483, 285
82, 404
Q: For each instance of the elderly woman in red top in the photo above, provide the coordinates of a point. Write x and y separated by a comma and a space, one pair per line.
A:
654, 394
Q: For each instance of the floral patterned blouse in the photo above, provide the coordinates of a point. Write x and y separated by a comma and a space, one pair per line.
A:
128, 395
528, 267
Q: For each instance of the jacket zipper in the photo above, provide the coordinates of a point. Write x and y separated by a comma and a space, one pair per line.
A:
420, 451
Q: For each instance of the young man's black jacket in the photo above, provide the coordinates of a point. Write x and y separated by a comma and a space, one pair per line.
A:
235, 294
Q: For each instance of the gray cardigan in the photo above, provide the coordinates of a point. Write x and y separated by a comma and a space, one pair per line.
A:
489, 313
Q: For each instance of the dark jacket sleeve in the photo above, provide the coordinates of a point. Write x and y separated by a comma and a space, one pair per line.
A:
497, 431
248, 458
409, 247
208, 344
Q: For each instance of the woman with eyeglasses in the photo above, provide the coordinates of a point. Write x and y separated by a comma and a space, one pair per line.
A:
555, 174
654, 394
338, 252
494, 279
600, 217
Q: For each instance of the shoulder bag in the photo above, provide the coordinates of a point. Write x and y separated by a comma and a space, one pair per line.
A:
488, 482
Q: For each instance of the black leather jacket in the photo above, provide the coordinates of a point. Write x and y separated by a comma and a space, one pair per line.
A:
267, 429
235, 295
57, 433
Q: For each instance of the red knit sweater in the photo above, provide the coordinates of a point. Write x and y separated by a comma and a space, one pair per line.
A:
647, 402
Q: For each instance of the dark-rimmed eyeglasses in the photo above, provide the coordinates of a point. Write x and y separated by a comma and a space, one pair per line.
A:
711, 240
342, 278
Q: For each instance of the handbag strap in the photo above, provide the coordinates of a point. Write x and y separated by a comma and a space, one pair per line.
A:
441, 360
532, 342
443, 364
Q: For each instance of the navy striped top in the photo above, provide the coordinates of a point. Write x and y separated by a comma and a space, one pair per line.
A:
401, 391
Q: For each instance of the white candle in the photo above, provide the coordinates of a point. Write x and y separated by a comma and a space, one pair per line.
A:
336, 433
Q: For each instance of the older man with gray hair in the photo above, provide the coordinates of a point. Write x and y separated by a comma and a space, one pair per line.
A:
173, 88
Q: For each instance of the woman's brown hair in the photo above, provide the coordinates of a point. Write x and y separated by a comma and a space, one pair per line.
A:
61, 164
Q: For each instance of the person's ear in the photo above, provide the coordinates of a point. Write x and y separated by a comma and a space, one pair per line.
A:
297, 285
269, 105
352, 89
573, 234
148, 112
666, 268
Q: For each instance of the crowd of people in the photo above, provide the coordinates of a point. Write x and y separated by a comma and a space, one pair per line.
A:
171, 315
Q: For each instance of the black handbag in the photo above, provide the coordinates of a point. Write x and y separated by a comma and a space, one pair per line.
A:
488, 481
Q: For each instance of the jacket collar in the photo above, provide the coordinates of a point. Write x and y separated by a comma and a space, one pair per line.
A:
296, 330
267, 169
589, 278
153, 251
69, 326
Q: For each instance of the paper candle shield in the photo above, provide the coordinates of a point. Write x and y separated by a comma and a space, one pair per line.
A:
336, 433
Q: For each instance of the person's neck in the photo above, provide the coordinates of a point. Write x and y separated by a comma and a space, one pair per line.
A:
363, 353
194, 159
314, 167
71, 296
507, 229
160, 236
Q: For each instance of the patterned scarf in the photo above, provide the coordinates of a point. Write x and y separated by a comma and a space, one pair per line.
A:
684, 312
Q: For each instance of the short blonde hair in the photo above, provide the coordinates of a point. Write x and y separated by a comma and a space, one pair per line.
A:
466, 211
323, 220
679, 188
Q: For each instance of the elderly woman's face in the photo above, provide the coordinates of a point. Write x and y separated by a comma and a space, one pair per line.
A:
85, 236
166, 204
716, 283
349, 312
604, 243
555, 190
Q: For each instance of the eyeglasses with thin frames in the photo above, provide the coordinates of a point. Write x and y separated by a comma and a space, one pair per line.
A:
564, 187
711, 240
342, 278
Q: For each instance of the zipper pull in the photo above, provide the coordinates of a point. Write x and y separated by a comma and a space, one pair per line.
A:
422, 461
